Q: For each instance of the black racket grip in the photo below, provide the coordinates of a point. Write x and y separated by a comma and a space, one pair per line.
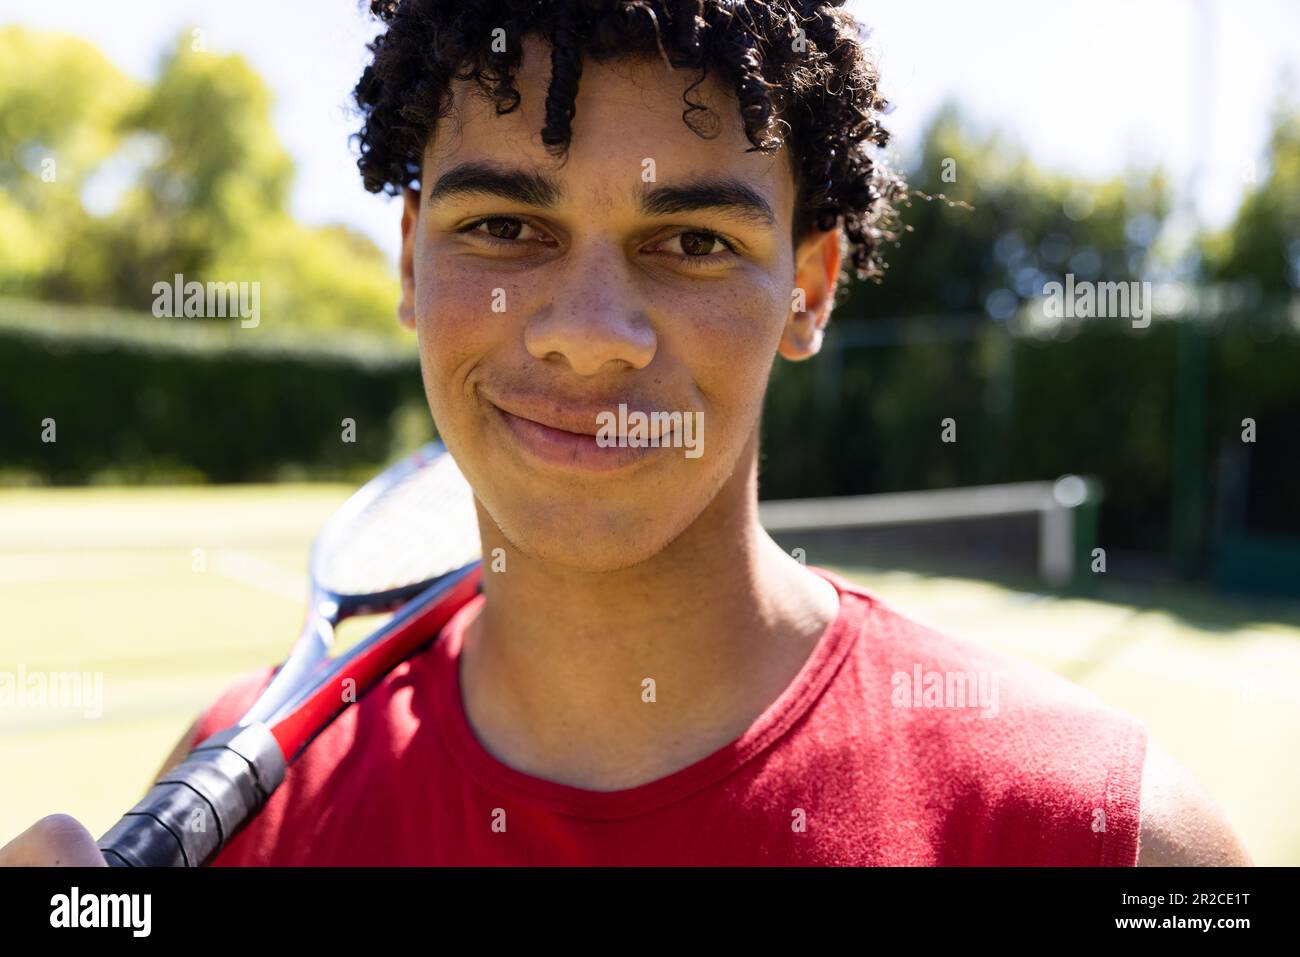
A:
196, 807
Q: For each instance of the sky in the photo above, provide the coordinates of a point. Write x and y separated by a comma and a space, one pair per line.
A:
1087, 86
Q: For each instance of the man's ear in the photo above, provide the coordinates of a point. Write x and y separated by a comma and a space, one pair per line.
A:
817, 268
410, 217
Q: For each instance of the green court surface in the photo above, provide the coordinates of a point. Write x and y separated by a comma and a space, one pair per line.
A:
169, 594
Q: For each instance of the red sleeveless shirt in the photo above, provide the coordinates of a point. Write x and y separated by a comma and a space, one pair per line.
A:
894, 745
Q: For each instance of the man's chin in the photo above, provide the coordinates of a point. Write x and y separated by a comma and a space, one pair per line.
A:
587, 544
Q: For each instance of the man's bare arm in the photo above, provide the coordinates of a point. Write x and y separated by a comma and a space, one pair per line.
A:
1182, 826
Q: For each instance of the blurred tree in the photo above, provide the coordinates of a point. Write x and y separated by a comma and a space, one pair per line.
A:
1261, 248
199, 184
987, 229
218, 172
60, 104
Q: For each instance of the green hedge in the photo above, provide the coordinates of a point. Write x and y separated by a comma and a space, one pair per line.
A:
142, 399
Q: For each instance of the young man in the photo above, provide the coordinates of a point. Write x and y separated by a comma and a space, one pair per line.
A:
651, 679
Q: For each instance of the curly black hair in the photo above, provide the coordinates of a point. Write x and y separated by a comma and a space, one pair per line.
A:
799, 70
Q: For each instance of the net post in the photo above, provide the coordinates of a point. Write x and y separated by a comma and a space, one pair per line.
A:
1068, 533
1086, 518
1056, 545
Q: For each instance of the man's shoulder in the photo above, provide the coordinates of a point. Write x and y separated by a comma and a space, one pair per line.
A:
1070, 737
1036, 752
1182, 826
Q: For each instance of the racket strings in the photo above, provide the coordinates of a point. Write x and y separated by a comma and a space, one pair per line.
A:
421, 527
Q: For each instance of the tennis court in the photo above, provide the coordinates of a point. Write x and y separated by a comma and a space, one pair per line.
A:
170, 593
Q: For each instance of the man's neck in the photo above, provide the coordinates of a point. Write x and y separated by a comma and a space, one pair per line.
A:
609, 680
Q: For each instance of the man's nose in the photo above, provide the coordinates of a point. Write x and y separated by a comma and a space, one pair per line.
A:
596, 318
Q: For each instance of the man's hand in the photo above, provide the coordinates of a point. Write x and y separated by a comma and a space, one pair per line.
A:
54, 841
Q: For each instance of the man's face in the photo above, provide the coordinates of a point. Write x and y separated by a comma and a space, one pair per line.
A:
602, 281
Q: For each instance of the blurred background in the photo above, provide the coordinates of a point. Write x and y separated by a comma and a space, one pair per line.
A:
161, 479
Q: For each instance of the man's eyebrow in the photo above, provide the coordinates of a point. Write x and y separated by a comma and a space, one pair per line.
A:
517, 185
724, 195
720, 194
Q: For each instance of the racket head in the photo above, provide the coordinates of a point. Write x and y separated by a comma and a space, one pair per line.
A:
397, 535
407, 537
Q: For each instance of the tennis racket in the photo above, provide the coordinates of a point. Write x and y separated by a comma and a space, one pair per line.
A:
407, 542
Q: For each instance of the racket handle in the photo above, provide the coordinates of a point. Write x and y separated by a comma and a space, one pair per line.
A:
196, 807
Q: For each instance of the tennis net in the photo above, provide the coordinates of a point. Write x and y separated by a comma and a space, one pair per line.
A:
1046, 530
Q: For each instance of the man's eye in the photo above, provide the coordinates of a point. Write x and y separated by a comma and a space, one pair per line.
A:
698, 244
504, 228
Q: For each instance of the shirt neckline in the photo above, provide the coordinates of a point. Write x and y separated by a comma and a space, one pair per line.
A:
793, 702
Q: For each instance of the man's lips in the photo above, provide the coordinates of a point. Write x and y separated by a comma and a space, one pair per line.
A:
581, 417
570, 450
564, 434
